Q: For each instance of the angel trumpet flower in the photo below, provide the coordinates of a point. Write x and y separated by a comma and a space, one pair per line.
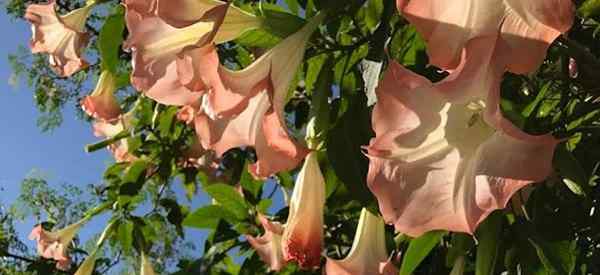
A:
472, 38
102, 104
246, 108
164, 54
277, 66
110, 129
368, 255
146, 266
303, 233
268, 246
61, 37
435, 164
55, 245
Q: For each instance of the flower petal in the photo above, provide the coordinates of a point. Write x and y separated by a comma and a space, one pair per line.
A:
268, 246
61, 42
303, 234
441, 166
102, 104
368, 255
255, 126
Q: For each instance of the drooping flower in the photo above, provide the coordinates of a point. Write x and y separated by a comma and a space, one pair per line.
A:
268, 246
102, 104
163, 53
110, 129
303, 233
368, 255
55, 245
478, 41
146, 266
435, 164
524, 29
277, 66
61, 37
256, 126
246, 108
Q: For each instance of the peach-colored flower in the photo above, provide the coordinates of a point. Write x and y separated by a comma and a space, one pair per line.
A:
268, 246
164, 55
437, 164
524, 29
102, 104
55, 245
61, 37
303, 233
256, 126
368, 255
478, 41
246, 107
110, 129
277, 66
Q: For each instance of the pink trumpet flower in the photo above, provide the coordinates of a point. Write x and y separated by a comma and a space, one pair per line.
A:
478, 41
61, 37
247, 107
303, 234
436, 164
110, 129
102, 104
256, 126
55, 245
277, 66
368, 255
268, 246
165, 56
524, 29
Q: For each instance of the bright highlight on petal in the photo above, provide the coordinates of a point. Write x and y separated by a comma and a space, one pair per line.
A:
439, 165
61, 37
102, 104
303, 234
368, 255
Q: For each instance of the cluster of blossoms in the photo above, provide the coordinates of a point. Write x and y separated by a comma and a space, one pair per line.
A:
444, 156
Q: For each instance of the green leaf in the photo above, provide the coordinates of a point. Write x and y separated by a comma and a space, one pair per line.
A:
489, 234
229, 198
370, 14
571, 170
344, 143
110, 39
418, 249
293, 6
166, 120
557, 257
125, 235
208, 217
134, 178
250, 184
590, 8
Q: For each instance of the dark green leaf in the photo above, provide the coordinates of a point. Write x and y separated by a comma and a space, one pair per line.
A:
489, 242
418, 249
